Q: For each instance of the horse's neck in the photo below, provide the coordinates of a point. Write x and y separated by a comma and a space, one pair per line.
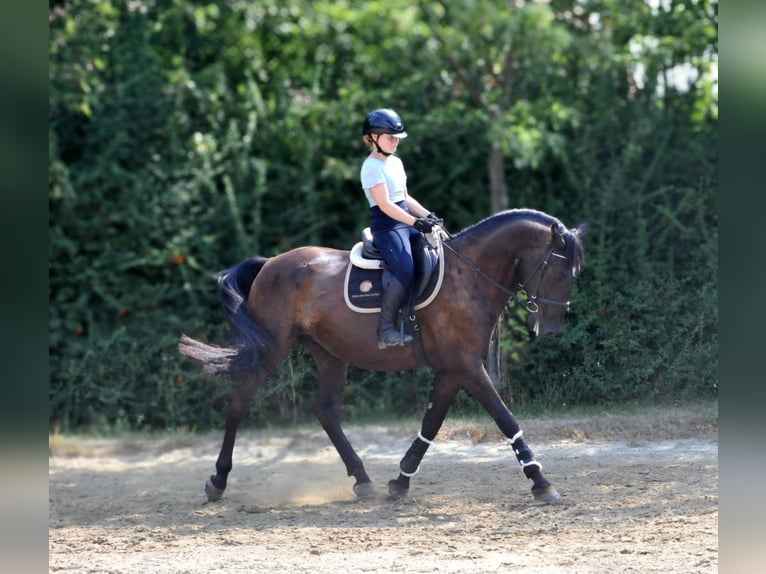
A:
497, 250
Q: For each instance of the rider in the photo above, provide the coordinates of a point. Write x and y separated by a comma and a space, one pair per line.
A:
395, 215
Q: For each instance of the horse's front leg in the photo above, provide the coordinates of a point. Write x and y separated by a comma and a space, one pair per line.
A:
481, 388
442, 395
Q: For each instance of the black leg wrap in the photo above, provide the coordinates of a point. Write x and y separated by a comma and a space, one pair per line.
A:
411, 461
526, 457
541, 488
523, 453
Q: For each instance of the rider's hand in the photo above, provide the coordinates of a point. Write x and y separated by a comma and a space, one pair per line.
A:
423, 225
434, 219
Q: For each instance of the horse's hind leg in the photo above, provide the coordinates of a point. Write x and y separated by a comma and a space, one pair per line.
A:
442, 395
326, 405
239, 405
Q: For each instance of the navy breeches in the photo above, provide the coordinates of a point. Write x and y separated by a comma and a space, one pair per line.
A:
396, 248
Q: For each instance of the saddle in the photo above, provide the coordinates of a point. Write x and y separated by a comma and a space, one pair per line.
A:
368, 274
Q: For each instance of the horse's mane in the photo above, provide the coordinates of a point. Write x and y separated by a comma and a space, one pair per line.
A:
574, 251
503, 217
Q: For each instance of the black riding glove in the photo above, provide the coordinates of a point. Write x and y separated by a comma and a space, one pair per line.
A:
434, 219
423, 225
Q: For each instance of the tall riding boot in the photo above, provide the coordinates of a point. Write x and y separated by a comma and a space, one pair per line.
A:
388, 334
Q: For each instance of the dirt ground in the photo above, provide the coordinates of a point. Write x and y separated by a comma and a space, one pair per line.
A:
639, 494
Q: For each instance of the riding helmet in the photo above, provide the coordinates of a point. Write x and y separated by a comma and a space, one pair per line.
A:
384, 121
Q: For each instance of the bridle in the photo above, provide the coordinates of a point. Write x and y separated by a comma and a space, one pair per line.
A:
521, 294
533, 302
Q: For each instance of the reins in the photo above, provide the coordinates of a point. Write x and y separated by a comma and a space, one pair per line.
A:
530, 302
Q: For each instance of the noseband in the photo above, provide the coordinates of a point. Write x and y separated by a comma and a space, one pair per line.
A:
530, 302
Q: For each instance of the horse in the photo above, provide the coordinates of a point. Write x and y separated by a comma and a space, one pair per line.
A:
297, 297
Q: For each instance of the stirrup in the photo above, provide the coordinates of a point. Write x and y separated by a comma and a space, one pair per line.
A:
402, 340
400, 343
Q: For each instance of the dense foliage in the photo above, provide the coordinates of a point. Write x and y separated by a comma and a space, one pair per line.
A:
185, 136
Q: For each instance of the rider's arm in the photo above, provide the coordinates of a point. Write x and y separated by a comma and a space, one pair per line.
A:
414, 206
380, 193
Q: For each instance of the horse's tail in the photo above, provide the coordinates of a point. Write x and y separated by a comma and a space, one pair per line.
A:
249, 339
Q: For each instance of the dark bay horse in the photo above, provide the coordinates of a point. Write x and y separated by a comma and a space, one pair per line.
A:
298, 297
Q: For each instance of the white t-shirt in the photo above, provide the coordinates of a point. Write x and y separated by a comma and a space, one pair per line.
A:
391, 172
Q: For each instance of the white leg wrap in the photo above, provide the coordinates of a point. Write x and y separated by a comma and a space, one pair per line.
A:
531, 463
516, 437
424, 439
409, 474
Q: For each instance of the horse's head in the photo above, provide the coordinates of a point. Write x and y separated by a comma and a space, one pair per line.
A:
547, 277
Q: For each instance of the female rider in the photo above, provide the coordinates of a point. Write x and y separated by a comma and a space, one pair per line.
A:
395, 215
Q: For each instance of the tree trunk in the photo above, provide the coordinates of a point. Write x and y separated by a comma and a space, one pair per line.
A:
497, 186
494, 360
499, 202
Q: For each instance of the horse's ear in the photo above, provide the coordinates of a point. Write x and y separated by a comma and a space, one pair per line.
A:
557, 236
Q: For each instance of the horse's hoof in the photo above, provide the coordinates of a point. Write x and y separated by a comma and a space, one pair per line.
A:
547, 494
364, 490
396, 490
213, 492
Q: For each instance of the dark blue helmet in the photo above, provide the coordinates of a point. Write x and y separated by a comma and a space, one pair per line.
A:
384, 121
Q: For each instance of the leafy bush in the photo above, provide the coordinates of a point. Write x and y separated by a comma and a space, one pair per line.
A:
185, 137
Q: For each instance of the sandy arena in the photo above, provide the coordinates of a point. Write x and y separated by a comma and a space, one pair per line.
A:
639, 503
